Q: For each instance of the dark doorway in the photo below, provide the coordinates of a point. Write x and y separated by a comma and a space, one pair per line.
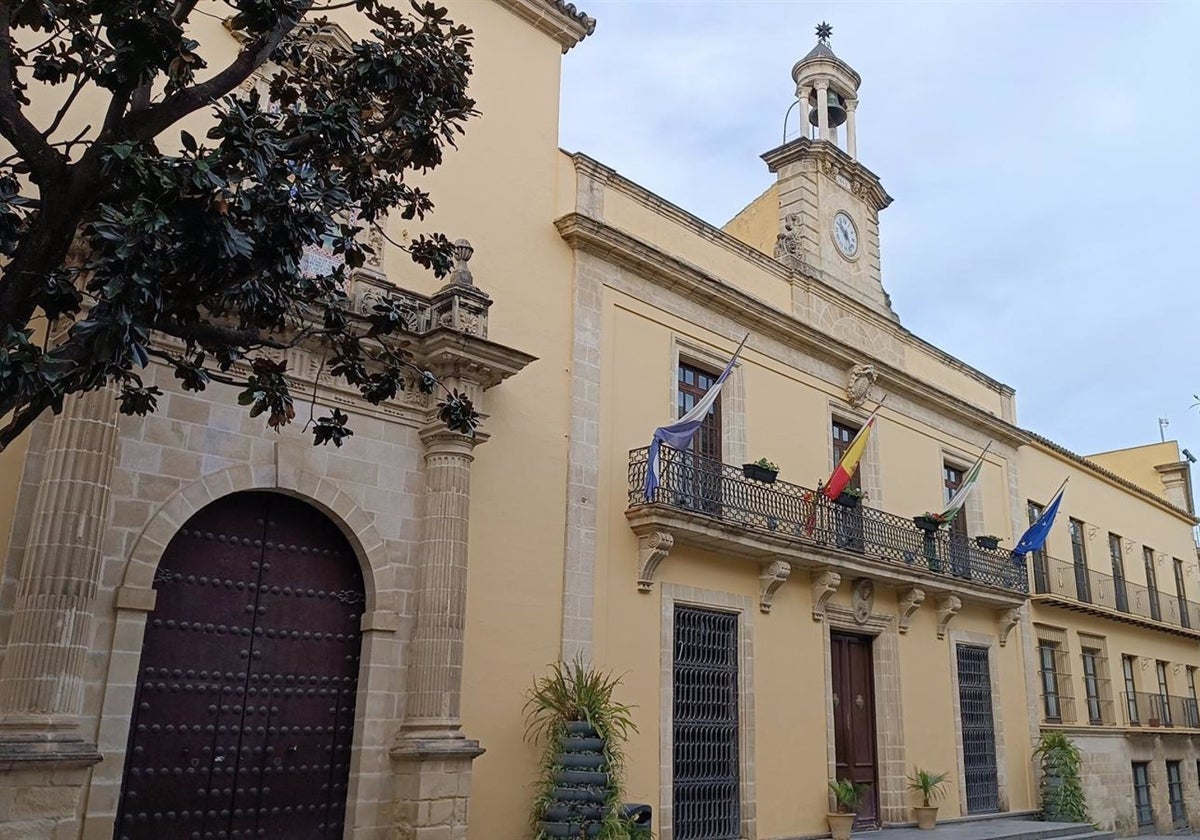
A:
706, 779
854, 719
978, 730
244, 711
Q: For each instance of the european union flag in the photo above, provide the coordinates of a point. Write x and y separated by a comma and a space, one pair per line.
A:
1035, 537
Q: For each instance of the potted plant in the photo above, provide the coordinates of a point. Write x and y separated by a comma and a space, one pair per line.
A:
1063, 799
847, 795
573, 714
932, 787
989, 542
761, 470
929, 522
851, 497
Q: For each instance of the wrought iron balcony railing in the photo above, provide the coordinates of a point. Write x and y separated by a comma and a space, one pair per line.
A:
708, 487
1086, 586
1145, 709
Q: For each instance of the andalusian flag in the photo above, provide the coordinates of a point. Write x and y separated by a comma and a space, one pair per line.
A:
844, 471
960, 498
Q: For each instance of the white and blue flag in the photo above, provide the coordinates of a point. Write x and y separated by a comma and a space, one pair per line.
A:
680, 433
1035, 537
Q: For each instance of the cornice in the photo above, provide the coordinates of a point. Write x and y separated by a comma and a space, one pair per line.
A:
648, 261
560, 20
476, 359
865, 183
819, 285
1050, 447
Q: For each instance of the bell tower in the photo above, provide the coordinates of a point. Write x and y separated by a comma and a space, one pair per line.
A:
829, 203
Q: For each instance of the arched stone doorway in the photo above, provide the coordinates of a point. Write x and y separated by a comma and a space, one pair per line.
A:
243, 715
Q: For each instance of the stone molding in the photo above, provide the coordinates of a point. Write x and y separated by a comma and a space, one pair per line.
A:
773, 576
947, 607
864, 183
825, 583
560, 20
908, 601
1009, 619
652, 264
653, 548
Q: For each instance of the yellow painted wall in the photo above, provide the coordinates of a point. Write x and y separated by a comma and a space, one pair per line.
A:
1137, 463
757, 224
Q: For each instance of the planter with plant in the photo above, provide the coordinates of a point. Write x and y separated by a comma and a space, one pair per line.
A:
929, 522
847, 796
989, 542
931, 787
761, 470
572, 714
851, 497
1062, 788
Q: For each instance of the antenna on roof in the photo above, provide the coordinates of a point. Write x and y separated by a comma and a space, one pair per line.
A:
1163, 422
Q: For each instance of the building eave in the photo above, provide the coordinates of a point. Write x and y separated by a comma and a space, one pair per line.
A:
560, 20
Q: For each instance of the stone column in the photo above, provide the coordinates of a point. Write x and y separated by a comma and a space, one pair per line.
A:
851, 138
433, 780
805, 126
42, 677
823, 110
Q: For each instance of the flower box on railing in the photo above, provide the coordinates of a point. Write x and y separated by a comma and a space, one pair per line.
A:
988, 543
757, 472
927, 524
847, 499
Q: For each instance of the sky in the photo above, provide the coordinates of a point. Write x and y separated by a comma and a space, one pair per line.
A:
1043, 158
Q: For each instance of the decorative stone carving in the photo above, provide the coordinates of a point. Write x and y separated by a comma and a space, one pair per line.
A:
1009, 619
787, 243
460, 305
863, 600
824, 584
653, 548
947, 607
772, 577
908, 600
859, 383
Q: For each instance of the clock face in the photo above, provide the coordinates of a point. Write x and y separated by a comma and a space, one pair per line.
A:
845, 234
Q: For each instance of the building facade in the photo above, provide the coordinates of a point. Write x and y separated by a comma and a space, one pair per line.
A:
771, 640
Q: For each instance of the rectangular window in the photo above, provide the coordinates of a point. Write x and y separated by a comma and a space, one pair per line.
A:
1041, 564
1093, 661
1131, 698
956, 533
694, 383
696, 474
1163, 706
847, 522
843, 433
1175, 794
1141, 793
1151, 583
1118, 570
1083, 588
1051, 706
1193, 703
1181, 593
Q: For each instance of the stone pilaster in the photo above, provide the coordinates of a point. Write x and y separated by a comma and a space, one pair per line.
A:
42, 676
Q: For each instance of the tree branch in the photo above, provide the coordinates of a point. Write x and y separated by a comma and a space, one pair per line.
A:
45, 164
212, 334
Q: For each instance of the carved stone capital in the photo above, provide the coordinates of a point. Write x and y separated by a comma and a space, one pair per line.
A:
907, 602
653, 548
1009, 619
947, 607
772, 577
824, 584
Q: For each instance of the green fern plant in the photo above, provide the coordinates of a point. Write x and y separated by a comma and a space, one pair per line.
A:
1063, 799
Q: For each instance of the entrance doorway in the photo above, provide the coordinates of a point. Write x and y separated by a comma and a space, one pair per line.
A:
243, 715
854, 719
978, 730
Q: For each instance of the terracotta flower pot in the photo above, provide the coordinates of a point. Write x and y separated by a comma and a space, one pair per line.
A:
840, 825
926, 817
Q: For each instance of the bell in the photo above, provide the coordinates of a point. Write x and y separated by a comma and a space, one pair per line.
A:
837, 109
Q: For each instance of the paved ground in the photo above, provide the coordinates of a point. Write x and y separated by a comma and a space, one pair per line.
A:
990, 829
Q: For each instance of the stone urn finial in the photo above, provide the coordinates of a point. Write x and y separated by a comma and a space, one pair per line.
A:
462, 255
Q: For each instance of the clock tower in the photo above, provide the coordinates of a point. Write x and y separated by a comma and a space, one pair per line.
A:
829, 203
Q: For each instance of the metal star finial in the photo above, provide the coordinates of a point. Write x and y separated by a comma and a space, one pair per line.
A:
824, 30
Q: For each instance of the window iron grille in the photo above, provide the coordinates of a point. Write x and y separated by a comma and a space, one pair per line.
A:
978, 730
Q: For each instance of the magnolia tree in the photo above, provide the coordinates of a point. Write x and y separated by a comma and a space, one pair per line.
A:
129, 239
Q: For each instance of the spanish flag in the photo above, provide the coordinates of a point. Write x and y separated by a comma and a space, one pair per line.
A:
844, 471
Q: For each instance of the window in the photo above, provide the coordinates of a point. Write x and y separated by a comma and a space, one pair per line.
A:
843, 433
1095, 684
1118, 570
1083, 589
1181, 594
1193, 704
1141, 793
699, 469
1053, 677
1163, 707
1175, 794
694, 383
1151, 583
1041, 565
1131, 699
952, 478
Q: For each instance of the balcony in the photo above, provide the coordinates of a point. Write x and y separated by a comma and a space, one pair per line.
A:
710, 505
1085, 590
1161, 710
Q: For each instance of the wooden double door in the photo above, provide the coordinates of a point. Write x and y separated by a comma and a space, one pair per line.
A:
853, 695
